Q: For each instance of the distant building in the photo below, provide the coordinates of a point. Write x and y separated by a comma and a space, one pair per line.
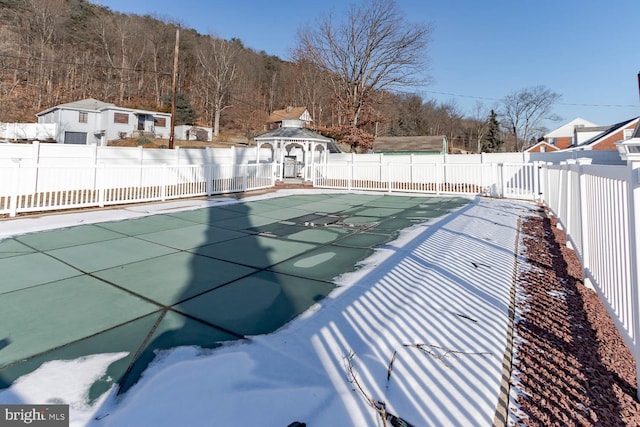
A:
606, 139
193, 133
542, 147
564, 136
290, 113
90, 121
411, 144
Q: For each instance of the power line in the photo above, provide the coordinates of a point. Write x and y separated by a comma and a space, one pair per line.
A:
457, 95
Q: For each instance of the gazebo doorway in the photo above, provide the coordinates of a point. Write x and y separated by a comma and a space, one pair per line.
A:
295, 150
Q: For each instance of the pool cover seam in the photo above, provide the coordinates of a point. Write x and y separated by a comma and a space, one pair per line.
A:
25, 359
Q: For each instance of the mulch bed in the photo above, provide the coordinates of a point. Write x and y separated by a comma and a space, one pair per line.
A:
572, 367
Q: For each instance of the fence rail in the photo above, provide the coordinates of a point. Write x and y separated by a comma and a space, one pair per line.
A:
599, 208
34, 188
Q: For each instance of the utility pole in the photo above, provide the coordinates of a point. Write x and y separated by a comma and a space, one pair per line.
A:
175, 88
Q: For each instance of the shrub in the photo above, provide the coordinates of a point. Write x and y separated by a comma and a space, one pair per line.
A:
143, 140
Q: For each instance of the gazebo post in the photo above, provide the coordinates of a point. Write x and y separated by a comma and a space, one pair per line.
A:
280, 169
313, 154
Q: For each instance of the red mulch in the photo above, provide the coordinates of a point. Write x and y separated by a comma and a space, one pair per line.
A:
574, 368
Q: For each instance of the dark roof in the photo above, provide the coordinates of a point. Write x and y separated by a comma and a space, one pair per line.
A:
603, 134
293, 133
333, 147
389, 144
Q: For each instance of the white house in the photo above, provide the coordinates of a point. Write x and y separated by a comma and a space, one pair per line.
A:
565, 135
277, 117
90, 121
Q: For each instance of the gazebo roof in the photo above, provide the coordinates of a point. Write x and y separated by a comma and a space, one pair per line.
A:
292, 133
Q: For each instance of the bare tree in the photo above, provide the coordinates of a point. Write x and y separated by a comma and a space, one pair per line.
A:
480, 121
39, 22
308, 80
375, 48
524, 111
218, 61
115, 35
453, 117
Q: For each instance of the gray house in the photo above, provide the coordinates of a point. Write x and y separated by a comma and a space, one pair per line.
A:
90, 121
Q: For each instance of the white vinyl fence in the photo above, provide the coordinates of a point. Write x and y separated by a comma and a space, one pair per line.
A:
598, 206
34, 188
511, 180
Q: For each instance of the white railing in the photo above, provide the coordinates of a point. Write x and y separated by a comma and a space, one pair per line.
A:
513, 180
31, 188
598, 208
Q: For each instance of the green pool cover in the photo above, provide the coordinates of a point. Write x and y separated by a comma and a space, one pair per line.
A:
198, 278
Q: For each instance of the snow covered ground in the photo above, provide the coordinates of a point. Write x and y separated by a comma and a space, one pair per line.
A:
422, 327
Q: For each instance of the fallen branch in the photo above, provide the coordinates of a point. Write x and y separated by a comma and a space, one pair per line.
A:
432, 350
390, 368
377, 405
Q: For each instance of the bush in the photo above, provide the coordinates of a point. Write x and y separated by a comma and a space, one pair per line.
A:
143, 140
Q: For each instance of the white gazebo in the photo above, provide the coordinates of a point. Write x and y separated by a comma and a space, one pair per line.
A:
294, 149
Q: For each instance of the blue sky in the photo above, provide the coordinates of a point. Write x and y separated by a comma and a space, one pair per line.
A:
480, 50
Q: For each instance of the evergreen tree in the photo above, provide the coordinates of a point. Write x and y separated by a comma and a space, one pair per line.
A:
492, 142
185, 113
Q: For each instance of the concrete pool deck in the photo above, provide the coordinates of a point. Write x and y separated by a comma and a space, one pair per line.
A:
204, 272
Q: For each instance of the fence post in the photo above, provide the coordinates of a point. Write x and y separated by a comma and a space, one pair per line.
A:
274, 166
350, 177
584, 217
541, 179
13, 206
165, 183
503, 179
564, 195
208, 178
244, 171
100, 184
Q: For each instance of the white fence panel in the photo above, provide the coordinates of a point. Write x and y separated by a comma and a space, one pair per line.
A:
424, 178
520, 180
33, 188
592, 203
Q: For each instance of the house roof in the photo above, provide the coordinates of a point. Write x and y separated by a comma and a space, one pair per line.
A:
410, 143
567, 129
91, 104
611, 129
548, 147
83, 104
286, 114
292, 133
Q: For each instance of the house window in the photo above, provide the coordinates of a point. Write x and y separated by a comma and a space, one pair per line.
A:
121, 118
83, 117
159, 122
